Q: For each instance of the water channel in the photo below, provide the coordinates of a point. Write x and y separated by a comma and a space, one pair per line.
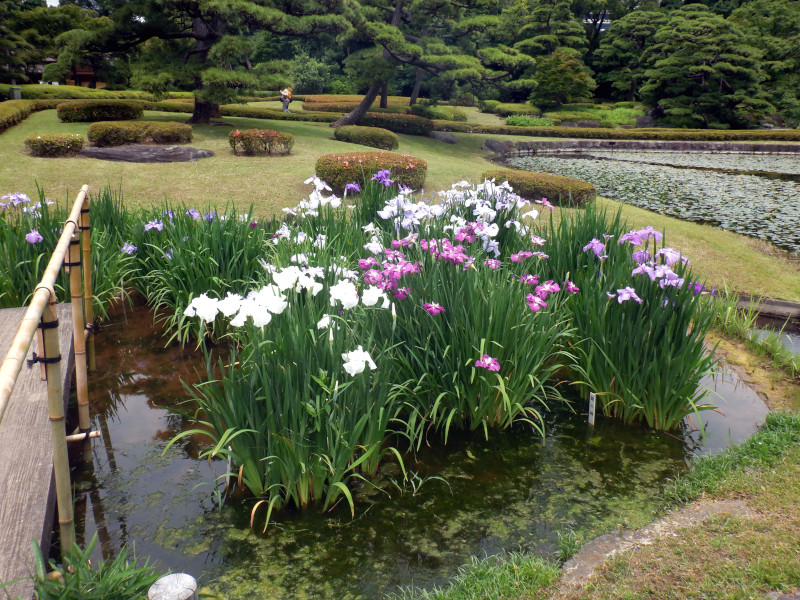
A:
514, 492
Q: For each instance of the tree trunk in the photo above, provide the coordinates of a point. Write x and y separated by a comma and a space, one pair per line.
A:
385, 94
353, 117
417, 85
204, 111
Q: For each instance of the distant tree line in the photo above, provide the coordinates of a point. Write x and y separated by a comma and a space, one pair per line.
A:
721, 63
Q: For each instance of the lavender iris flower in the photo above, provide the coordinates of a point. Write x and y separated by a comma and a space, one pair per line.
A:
34, 237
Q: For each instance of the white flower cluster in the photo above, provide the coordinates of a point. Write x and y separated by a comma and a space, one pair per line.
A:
259, 305
316, 200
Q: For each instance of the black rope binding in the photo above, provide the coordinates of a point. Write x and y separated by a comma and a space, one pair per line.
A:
72, 264
41, 359
48, 324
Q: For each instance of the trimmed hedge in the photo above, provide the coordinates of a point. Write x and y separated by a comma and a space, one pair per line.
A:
16, 111
84, 111
72, 92
507, 109
429, 111
559, 190
408, 124
603, 133
367, 136
337, 170
346, 107
114, 133
260, 142
53, 145
237, 110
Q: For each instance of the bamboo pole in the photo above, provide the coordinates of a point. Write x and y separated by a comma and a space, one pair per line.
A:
88, 300
58, 433
18, 351
78, 326
43, 308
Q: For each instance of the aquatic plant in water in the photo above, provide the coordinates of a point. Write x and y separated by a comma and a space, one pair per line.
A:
455, 314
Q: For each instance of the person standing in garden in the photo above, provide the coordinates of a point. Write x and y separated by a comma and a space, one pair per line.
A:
286, 97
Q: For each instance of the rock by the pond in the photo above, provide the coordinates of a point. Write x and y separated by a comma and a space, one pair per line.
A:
144, 153
443, 136
497, 146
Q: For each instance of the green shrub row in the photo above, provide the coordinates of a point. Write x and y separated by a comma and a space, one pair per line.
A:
408, 124
16, 111
374, 137
337, 170
346, 107
698, 135
72, 92
429, 111
84, 111
528, 121
260, 142
571, 115
254, 112
559, 190
52, 144
114, 133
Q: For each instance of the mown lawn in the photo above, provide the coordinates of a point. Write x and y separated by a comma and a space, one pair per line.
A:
271, 183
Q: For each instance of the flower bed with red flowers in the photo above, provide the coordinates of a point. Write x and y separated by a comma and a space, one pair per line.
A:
259, 142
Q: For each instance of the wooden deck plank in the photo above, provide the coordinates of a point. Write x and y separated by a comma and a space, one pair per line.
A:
27, 492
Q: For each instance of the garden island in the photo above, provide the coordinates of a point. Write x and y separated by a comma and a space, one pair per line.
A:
415, 299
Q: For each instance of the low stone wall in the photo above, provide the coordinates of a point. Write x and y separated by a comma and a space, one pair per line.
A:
552, 146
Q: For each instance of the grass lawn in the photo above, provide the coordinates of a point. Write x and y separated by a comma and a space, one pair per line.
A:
271, 183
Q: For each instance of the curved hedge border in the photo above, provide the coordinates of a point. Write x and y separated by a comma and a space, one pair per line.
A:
114, 133
259, 142
601, 133
53, 145
337, 170
408, 124
367, 136
83, 111
559, 190
16, 111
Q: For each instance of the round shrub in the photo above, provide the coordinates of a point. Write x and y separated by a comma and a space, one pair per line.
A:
559, 190
367, 136
260, 142
51, 145
408, 124
87, 111
337, 170
113, 133
488, 106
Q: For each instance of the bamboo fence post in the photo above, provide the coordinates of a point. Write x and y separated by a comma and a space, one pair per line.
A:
88, 300
55, 398
73, 265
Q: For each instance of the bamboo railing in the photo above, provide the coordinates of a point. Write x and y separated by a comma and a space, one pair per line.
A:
41, 313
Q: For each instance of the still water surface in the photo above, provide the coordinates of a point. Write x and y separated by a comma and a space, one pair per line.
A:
514, 492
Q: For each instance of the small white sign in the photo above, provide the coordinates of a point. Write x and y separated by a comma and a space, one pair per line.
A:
592, 402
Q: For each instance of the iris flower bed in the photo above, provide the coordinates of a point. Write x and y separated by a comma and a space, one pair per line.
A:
355, 329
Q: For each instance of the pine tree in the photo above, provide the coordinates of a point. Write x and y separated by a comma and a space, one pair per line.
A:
704, 73
621, 59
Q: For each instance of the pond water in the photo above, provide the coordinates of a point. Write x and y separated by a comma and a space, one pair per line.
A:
721, 190
514, 492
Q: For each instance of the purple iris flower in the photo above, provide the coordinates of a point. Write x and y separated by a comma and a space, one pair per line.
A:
595, 246
697, 288
128, 248
352, 187
154, 224
382, 177
401, 293
571, 287
492, 263
627, 293
642, 256
433, 308
34, 237
487, 362
535, 303
193, 212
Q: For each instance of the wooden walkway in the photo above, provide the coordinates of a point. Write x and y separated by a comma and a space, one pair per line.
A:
27, 488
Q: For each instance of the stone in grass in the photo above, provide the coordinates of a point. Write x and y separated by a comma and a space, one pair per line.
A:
443, 136
143, 153
501, 147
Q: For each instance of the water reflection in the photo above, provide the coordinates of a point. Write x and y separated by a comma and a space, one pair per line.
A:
513, 492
